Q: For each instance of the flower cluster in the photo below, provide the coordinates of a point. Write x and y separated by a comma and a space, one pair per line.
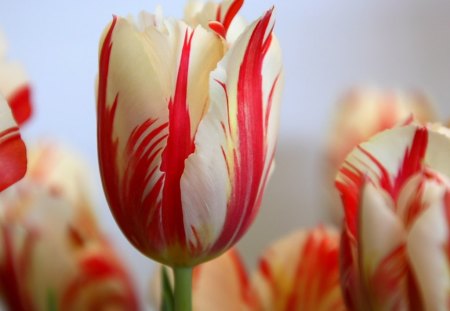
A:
187, 122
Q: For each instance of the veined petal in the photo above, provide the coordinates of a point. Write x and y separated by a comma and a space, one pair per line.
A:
383, 265
427, 249
388, 160
300, 272
235, 142
13, 156
149, 110
221, 17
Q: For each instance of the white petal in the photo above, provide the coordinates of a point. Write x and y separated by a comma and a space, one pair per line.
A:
381, 232
426, 251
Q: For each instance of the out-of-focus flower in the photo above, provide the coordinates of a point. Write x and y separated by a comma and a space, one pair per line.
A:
62, 172
13, 157
49, 254
14, 85
298, 272
221, 284
364, 112
396, 195
187, 126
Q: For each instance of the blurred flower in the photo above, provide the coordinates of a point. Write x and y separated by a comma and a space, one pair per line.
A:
62, 172
298, 272
364, 112
13, 157
301, 272
219, 284
187, 126
49, 255
14, 85
396, 195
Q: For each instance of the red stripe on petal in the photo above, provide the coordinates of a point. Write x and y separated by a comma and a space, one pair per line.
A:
250, 154
412, 160
13, 157
20, 103
218, 28
221, 25
14, 291
179, 146
316, 276
231, 13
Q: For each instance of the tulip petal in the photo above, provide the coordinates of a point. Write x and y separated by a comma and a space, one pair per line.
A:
222, 284
388, 160
427, 249
300, 272
221, 18
235, 141
12, 149
381, 253
154, 126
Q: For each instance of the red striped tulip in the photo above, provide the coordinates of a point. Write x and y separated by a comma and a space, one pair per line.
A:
396, 195
50, 256
13, 158
187, 126
221, 284
63, 173
300, 272
297, 272
364, 112
14, 86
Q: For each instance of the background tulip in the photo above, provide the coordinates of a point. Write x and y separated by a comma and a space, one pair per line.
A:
395, 193
13, 158
362, 113
52, 252
186, 132
300, 272
221, 284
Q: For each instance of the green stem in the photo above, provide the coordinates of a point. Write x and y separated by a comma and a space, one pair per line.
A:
183, 288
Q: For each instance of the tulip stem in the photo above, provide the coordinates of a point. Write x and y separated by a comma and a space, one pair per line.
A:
183, 288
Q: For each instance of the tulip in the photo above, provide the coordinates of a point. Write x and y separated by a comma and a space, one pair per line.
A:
13, 158
59, 170
362, 113
298, 272
52, 252
395, 191
221, 284
14, 85
187, 125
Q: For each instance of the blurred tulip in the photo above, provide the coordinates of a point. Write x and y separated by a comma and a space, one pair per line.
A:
364, 112
301, 272
62, 172
221, 284
187, 126
298, 272
49, 255
396, 195
14, 85
13, 157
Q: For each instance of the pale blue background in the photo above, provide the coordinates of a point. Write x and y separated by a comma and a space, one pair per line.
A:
327, 45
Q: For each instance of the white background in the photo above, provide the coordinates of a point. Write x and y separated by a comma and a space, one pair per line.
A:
328, 46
